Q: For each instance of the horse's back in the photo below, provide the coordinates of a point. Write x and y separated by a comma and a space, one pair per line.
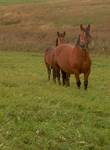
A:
68, 50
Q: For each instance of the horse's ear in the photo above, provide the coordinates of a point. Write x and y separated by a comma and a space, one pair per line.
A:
64, 33
58, 34
81, 27
88, 27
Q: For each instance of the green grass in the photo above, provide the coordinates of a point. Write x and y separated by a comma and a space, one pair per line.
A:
38, 115
14, 1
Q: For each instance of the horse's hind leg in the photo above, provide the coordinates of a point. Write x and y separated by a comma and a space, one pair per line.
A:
78, 82
67, 79
57, 73
58, 76
86, 79
48, 71
63, 77
54, 75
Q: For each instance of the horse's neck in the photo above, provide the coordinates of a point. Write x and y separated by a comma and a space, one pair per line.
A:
58, 42
84, 51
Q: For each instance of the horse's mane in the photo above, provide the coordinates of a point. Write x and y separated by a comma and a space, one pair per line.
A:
78, 41
56, 41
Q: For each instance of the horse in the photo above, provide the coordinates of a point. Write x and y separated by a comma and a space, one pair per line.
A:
49, 57
75, 59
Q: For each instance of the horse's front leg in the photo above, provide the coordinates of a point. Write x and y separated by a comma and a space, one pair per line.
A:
86, 75
78, 82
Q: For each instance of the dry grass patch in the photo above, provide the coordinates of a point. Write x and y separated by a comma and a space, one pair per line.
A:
37, 23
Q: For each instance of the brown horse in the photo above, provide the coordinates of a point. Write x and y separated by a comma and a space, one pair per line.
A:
75, 59
49, 57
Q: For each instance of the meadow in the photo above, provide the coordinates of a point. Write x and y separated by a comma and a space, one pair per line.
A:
36, 114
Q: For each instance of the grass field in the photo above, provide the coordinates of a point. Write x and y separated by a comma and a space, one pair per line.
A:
38, 115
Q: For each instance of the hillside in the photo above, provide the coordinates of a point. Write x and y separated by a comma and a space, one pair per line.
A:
32, 26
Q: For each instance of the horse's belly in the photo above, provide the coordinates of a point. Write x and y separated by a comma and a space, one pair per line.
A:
67, 69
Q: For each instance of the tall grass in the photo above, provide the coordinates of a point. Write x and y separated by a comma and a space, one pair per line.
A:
34, 26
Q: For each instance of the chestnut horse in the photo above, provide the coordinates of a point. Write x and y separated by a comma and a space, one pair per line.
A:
49, 57
75, 59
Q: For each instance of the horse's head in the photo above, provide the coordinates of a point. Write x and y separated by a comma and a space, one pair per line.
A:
84, 37
60, 38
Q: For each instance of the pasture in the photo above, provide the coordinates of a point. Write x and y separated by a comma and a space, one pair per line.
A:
36, 114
